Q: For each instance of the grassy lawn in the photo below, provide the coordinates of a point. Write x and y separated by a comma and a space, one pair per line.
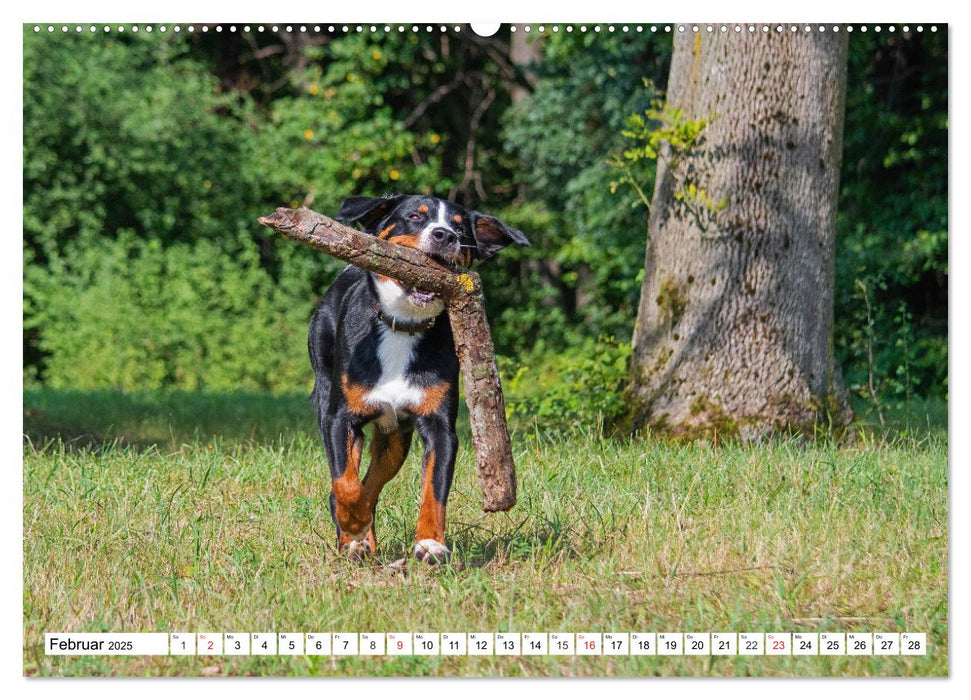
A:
199, 513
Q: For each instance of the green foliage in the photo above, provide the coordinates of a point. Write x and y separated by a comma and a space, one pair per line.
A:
570, 391
580, 278
892, 359
133, 164
660, 125
339, 135
147, 159
892, 221
662, 133
134, 315
143, 177
129, 132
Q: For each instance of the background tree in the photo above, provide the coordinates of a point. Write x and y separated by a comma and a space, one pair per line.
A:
148, 157
735, 323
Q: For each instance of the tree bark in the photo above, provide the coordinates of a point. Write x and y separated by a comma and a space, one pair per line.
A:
526, 53
734, 327
462, 292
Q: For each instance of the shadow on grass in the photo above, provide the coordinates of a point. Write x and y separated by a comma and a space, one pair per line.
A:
915, 418
141, 420
99, 419
95, 420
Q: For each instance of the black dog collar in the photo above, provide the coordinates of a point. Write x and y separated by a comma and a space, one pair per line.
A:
409, 327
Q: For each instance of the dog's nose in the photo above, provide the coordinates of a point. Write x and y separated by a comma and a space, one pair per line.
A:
443, 236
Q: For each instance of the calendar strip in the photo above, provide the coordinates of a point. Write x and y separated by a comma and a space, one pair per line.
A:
487, 644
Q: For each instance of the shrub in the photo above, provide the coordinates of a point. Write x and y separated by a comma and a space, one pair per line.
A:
570, 390
131, 314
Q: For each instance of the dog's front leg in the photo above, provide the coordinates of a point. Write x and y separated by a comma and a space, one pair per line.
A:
348, 499
438, 465
388, 453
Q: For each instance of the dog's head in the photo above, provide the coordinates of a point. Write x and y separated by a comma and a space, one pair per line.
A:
440, 229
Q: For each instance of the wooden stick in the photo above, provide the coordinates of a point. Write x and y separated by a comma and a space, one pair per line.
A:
462, 291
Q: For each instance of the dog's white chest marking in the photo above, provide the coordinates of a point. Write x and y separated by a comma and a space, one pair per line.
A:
394, 393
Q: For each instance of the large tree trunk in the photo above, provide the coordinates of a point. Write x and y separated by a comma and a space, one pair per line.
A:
734, 328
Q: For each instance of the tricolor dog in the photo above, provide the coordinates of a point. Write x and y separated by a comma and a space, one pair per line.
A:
382, 354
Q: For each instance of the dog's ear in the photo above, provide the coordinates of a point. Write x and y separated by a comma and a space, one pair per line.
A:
491, 235
368, 211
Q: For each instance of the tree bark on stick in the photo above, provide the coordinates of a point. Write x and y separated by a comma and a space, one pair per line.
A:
734, 328
462, 291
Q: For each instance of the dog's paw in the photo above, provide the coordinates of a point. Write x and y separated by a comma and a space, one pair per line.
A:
357, 549
431, 552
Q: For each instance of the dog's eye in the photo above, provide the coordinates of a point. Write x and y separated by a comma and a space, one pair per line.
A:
415, 217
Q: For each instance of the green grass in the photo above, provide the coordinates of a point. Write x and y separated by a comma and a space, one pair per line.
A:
183, 512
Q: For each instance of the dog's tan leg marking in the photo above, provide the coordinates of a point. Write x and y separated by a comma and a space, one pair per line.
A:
388, 452
351, 506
